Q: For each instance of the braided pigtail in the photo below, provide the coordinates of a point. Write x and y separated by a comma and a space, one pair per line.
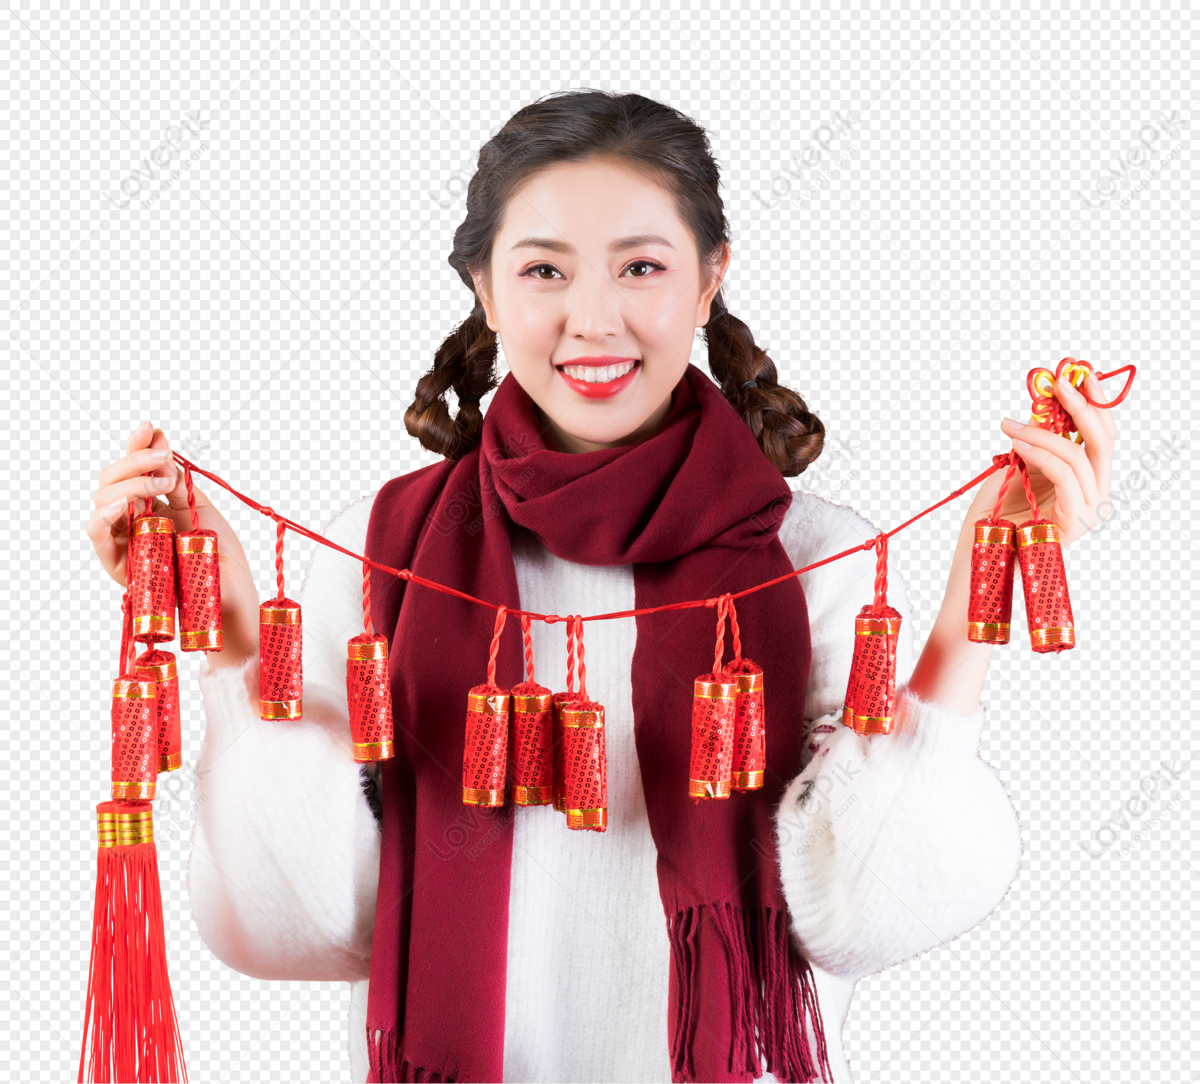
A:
466, 362
790, 435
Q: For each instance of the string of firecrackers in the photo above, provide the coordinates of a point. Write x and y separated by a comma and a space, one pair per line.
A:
556, 740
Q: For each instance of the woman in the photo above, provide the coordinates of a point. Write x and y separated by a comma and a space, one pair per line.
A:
716, 940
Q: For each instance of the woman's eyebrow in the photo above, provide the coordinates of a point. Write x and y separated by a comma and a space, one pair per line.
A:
616, 246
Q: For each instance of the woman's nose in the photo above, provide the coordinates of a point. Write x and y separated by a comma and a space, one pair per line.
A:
594, 308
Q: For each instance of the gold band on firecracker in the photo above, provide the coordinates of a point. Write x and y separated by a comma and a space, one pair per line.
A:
366, 752
126, 688
491, 703
994, 534
712, 737
748, 780
204, 640
534, 703
1041, 639
170, 762
988, 632
872, 625
596, 819
158, 671
1029, 534
154, 626
153, 525
281, 709
118, 828
195, 543
867, 724
366, 652
279, 612
524, 795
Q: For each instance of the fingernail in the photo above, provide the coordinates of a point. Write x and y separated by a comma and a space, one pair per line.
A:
144, 425
1012, 423
1022, 446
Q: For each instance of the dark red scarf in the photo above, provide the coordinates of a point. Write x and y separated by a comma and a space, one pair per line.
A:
696, 510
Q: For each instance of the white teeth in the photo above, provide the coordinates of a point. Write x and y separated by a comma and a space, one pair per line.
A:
598, 374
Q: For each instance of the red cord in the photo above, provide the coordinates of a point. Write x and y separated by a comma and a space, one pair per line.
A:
722, 611
367, 628
881, 549
191, 497
527, 636
279, 529
582, 669
501, 614
570, 654
737, 636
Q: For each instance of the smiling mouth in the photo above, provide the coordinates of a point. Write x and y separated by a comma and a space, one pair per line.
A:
598, 374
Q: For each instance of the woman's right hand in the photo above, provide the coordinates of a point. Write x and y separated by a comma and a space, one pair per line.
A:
125, 481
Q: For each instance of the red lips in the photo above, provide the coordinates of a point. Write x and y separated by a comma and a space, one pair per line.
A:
600, 391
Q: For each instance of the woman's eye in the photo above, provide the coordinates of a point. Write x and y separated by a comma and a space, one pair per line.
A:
645, 263
533, 271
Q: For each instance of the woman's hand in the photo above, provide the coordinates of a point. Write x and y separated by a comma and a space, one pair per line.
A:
126, 481
1070, 481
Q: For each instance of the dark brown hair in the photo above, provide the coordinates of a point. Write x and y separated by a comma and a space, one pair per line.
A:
660, 142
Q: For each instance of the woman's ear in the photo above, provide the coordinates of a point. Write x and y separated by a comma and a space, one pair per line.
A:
716, 275
484, 300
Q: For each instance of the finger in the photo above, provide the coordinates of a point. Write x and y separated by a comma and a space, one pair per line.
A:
1098, 441
131, 489
1096, 390
139, 462
139, 438
1070, 505
1059, 448
101, 530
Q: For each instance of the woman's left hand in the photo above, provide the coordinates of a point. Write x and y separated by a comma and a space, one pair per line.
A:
1070, 481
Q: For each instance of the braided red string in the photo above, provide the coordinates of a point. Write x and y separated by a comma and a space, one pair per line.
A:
191, 496
881, 549
501, 614
279, 529
582, 669
527, 634
1033, 505
737, 636
1008, 476
570, 653
722, 610
367, 627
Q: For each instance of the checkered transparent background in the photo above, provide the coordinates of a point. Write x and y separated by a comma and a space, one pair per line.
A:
271, 298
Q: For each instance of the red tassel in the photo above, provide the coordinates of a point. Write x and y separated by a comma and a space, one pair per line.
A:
199, 570
159, 667
152, 578
130, 1024
1044, 580
870, 706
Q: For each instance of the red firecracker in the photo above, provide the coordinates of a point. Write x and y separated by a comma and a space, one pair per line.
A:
749, 726
280, 644
870, 706
134, 737
281, 670
369, 695
159, 667
485, 746
531, 737
1044, 580
199, 568
151, 566
558, 702
710, 774
993, 563
585, 766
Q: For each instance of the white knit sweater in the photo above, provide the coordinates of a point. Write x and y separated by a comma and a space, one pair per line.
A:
889, 845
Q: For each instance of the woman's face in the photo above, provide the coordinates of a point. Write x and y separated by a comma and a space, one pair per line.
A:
596, 290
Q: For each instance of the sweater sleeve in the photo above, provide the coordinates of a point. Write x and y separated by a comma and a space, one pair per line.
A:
891, 844
285, 847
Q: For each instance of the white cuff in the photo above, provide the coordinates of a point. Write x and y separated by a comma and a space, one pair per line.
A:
892, 844
285, 850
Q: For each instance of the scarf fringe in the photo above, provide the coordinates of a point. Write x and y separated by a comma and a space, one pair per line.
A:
389, 1066
772, 991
